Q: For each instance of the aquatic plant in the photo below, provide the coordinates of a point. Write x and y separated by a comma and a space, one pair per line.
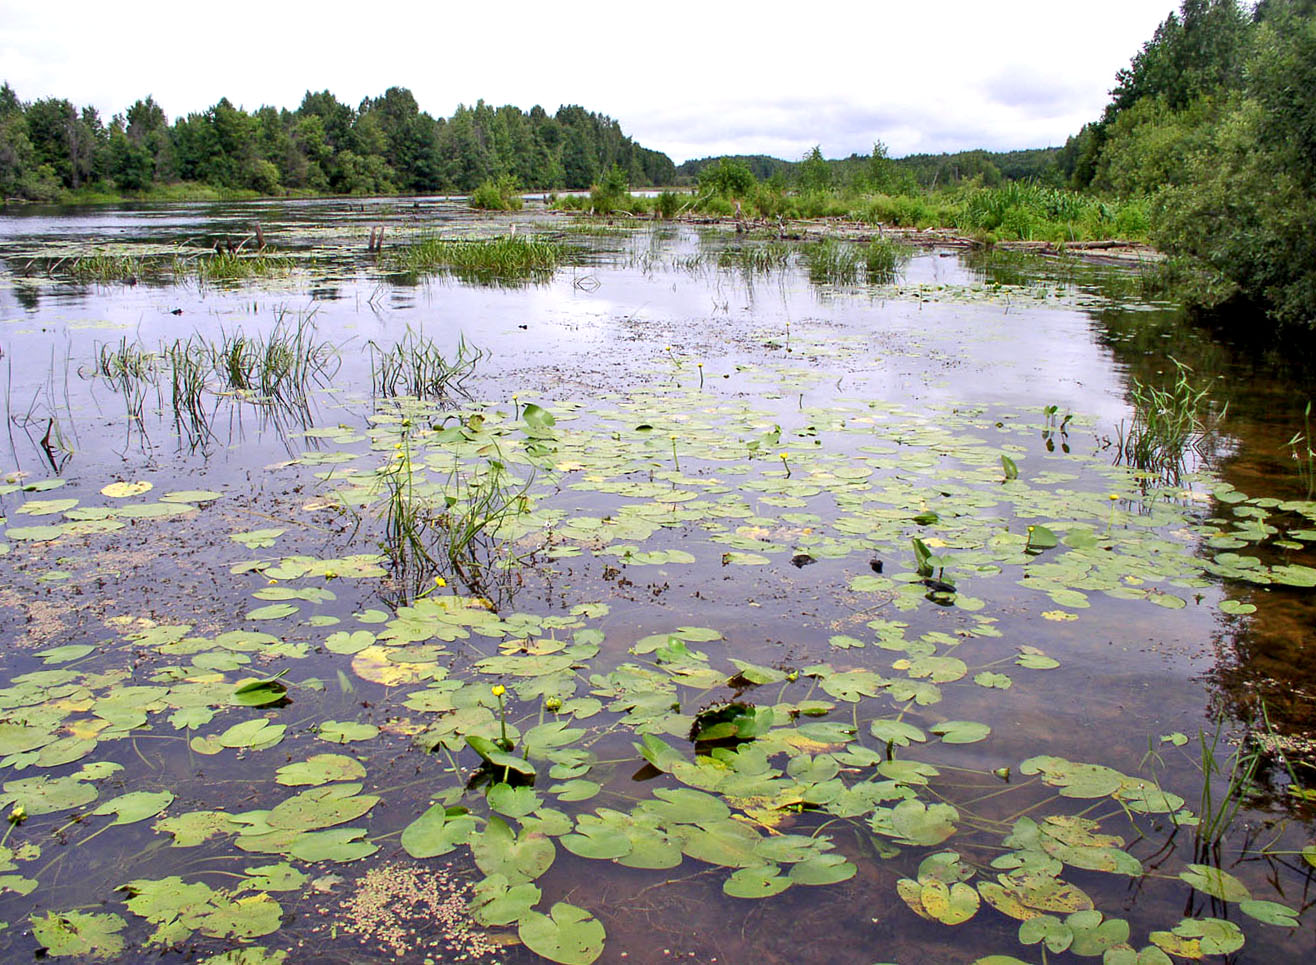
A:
279, 367
884, 259
1302, 453
229, 266
508, 257
416, 366
1168, 423
499, 194
102, 267
832, 262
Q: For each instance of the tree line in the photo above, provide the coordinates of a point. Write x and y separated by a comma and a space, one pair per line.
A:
385, 145
1214, 122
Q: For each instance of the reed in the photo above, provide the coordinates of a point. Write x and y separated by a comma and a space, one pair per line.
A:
416, 366
511, 256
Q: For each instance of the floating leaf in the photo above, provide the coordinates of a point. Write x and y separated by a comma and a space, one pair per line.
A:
136, 806
344, 732
1215, 882
761, 882
320, 769
567, 934
961, 731
1270, 913
79, 933
122, 490
260, 693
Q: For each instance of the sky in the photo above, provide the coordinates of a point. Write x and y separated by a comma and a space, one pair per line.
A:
692, 79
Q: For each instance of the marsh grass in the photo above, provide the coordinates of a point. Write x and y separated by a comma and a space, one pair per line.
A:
1304, 457
832, 262
756, 259
453, 529
514, 257
1168, 423
275, 372
884, 260
278, 368
129, 369
416, 366
237, 266
189, 363
107, 268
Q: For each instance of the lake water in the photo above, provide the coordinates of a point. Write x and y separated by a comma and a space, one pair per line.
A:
825, 616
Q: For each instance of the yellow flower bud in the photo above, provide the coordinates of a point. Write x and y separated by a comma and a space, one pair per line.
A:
498, 690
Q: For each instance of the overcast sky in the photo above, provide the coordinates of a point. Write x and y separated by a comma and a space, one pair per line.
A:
688, 78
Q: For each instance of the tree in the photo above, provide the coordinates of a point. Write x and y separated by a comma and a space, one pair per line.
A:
813, 175
728, 178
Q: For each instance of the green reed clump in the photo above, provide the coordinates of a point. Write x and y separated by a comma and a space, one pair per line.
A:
279, 367
831, 262
1304, 457
129, 369
104, 268
499, 194
1167, 424
451, 528
416, 366
756, 259
237, 266
511, 256
884, 259
189, 363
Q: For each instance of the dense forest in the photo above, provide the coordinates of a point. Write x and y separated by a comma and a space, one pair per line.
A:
385, 145
1214, 122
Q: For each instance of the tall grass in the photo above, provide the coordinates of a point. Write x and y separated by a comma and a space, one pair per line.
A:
832, 262
1168, 423
511, 256
884, 260
1304, 457
279, 367
452, 529
236, 266
416, 366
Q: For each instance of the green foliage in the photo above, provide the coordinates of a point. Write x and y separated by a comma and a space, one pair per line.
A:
728, 178
499, 194
611, 193
49, 148
813, 175
510, 257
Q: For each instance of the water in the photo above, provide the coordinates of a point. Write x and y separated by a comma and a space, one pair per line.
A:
658, 498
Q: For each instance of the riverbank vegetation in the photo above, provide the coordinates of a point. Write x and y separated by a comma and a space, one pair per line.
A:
1212, 125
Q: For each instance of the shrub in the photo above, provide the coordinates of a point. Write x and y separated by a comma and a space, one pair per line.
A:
497, 195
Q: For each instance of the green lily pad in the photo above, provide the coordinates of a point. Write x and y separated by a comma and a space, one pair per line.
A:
320, 769
1215, 882
136, 806
567, 934
91, 935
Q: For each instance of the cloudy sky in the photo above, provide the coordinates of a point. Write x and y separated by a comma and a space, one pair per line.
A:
689, 78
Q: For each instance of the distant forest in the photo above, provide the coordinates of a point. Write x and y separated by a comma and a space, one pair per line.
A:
385, 145
928, 171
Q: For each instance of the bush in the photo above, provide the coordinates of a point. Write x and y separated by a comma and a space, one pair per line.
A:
612, 192
728, 179
667, 204
497, 195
